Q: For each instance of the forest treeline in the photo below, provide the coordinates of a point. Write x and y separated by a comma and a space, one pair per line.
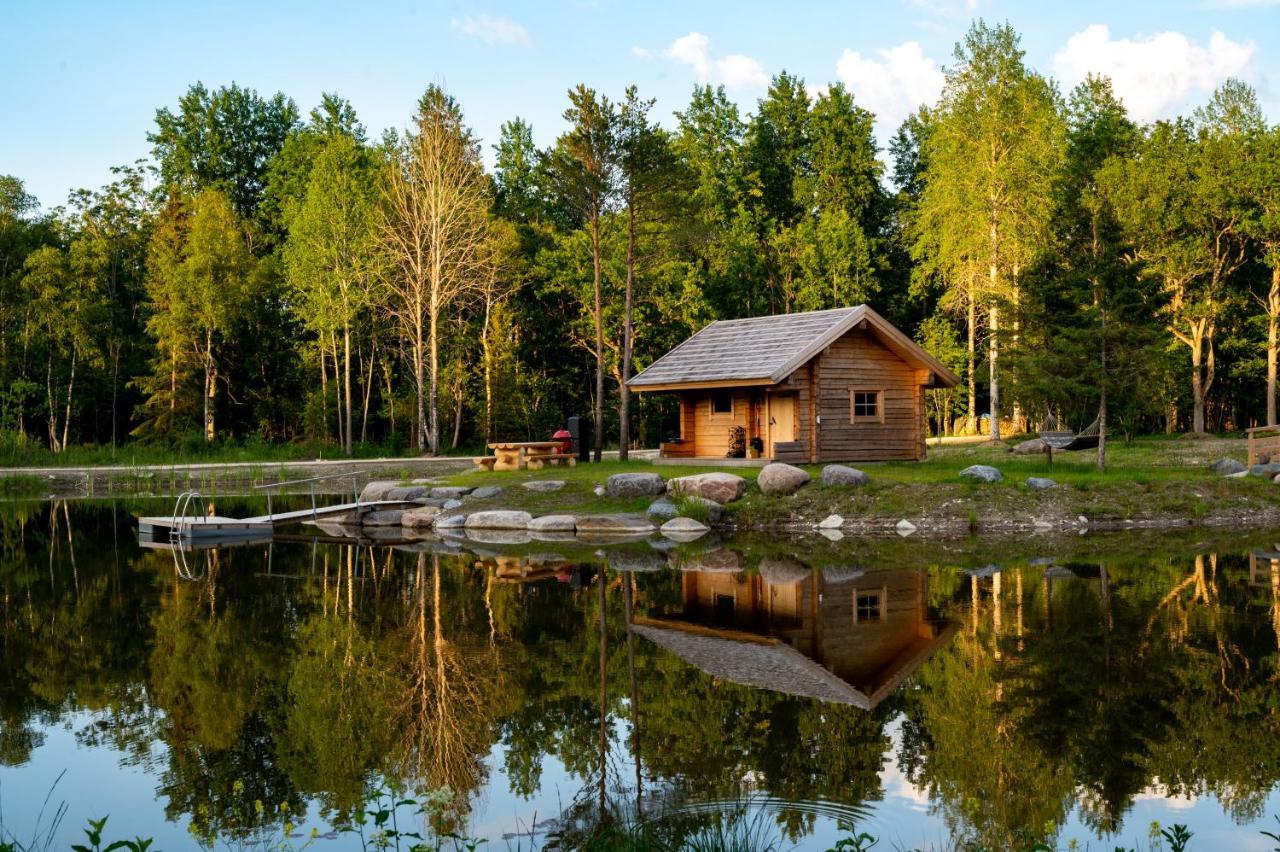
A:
273, 276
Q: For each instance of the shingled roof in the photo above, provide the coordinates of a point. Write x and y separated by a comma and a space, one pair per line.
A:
765, 350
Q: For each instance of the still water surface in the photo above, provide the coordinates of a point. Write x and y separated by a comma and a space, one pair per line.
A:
918, 694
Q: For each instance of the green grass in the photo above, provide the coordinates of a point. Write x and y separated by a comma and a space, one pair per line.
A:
1151, 478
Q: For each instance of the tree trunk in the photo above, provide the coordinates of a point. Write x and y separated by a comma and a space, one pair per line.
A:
1273, 321
599, 295
324, 391
115, 392
346, 355
971, 416
337, 388
1197, 378
208, 386
433, 410
66, 418
993, 355
53, 409
624, 393
419, 355
368, 391
486, 355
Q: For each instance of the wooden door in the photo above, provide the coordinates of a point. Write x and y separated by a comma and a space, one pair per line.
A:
782, 420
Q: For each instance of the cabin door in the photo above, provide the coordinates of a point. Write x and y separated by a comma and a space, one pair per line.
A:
782, 420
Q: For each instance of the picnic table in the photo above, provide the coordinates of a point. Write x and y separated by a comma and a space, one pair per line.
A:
522, 455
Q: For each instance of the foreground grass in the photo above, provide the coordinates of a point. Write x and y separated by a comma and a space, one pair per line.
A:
1148, 479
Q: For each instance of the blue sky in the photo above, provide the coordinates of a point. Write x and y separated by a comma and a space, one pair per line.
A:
80, 81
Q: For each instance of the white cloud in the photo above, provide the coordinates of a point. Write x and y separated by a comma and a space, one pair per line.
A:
1154, 74
735, 71
642, 52
491, 29
893, 84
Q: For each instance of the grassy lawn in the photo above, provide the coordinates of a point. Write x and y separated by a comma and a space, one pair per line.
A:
1150, 478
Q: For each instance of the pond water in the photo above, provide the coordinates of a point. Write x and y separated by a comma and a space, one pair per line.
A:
541, 694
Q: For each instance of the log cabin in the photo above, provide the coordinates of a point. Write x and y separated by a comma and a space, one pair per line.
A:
833, 385
843, 636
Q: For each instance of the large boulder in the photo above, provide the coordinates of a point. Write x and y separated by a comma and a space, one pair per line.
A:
615, 524
1040, 483
683, 525
694, 505
377, 490
1269, 470
831, 522
554, 523
450, 522
635, 559
543, 486
635, 485
1029, 448
778, 479
451, 492
783, 570
721, 487
663, 510
406, 493
499, 519
424, 516
1226, 467
981, 473
387, 518
838, 474
485, 492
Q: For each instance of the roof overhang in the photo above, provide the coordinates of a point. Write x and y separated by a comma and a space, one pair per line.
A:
860, 317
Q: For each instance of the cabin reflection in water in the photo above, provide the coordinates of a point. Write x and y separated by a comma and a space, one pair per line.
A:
838, 635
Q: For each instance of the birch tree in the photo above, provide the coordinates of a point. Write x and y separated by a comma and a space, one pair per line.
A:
328, 256
432, 226
991, 158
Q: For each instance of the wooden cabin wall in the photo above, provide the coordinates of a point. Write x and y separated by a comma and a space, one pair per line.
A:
710, 433
860, 651
859, 361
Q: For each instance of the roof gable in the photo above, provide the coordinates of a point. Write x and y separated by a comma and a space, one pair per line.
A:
765, 350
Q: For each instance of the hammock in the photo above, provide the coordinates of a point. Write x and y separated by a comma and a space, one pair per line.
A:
1084, 440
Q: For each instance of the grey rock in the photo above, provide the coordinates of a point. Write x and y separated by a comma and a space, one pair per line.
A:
904, 528
831, 522
377, 490
684, 525
614, 524
485, 492
450, 504
1276, 479
778, 479
451, 522
598, 490
635, 485
662, 509
405, 492
1241, 475
839, 474
720, 487
385, 518
831, 535
422, 517
554, 523
1225, 467
694, 504
1040, 483
1269, 470
981, 473
543, 486
1029, 448
499, 519
451, 492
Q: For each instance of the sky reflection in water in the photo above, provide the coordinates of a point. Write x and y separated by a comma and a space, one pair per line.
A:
925, 691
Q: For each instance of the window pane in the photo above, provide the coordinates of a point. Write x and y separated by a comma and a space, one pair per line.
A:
869, 606
722, 403
866, 403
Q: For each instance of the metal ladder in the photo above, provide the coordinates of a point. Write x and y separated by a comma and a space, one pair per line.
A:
179, 523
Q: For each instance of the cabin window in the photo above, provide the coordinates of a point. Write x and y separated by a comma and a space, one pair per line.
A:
722, 402
868, 607
724, 607
866, 406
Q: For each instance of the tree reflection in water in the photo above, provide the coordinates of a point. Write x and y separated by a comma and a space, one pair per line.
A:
305, 675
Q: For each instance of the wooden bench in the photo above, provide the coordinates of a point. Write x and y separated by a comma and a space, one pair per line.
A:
537, 461
485, 462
